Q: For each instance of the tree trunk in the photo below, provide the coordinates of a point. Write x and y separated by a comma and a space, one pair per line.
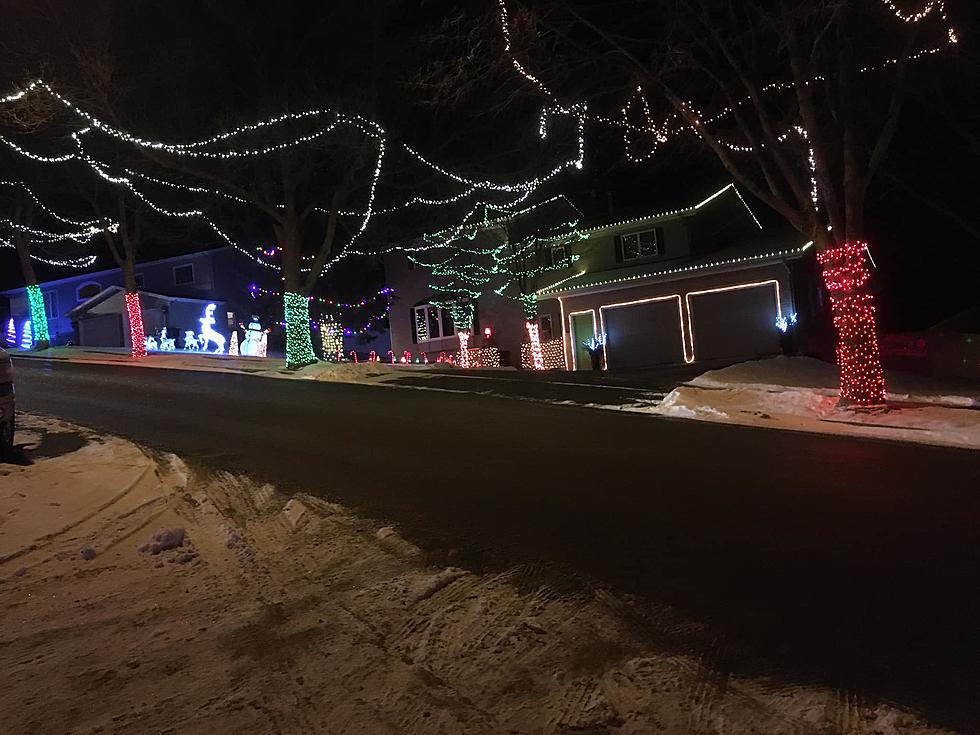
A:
296, 303
134, 312
846, 275
537, 357
35, 299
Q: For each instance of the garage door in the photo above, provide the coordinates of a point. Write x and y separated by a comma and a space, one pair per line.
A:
736, 323
101, 330
642, 335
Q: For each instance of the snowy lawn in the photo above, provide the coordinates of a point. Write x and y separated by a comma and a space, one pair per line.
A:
267, 367
801, 393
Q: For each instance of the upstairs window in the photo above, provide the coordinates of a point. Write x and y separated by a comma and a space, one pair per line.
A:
183, 274
558, 256
87, 291
640, 245
51, 304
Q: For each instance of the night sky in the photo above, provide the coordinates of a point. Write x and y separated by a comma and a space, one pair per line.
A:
185, 69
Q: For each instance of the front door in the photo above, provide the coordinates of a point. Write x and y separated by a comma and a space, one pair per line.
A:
583, 327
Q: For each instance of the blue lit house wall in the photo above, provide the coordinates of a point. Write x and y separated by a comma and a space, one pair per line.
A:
221, 276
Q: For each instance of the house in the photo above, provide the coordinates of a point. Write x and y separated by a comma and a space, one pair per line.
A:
89, 308
101, 322
704, 282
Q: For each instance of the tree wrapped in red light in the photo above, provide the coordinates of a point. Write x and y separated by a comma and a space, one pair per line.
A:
846, 276
135, 315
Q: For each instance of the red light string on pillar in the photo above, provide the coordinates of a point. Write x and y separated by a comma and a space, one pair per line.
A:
846, 275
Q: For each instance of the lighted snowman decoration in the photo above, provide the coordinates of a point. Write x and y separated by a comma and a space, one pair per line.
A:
254, 339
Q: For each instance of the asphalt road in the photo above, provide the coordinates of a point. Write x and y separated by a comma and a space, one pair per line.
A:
827, 560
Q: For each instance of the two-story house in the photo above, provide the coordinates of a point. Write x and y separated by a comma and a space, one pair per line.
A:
704, 282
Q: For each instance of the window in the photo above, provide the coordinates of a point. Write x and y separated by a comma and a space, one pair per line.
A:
183, 274
87, 291
51, 304
546, 331
231, 319
431, 322
558, 256
139, 280
640, 245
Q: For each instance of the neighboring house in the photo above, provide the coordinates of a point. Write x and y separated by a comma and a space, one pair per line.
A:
88, 308
101, 320
703, 282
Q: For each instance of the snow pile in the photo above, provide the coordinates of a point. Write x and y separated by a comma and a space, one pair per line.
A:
75, 476
350, 372
800, 394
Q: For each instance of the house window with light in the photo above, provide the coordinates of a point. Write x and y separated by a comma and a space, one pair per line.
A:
640, 245
431, 322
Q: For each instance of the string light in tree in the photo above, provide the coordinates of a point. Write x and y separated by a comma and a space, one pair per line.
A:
203, 148
675, 123
846, 275
339, 306
11, 337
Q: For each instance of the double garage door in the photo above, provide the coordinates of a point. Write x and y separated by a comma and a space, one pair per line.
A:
732, 324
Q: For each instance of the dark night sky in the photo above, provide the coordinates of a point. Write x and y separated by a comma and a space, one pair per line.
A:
188, 68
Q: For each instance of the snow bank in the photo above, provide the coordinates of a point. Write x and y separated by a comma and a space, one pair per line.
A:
56, 498
780, 373
793, 393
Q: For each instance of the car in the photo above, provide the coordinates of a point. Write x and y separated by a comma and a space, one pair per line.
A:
6, 401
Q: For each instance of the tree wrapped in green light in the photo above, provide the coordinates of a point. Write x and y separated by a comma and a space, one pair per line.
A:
510, 255
299, 343
39, 318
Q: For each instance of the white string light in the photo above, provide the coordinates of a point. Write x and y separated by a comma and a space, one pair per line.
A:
662, 134
83, 262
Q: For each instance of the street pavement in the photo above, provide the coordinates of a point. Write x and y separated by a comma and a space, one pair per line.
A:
820, 559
